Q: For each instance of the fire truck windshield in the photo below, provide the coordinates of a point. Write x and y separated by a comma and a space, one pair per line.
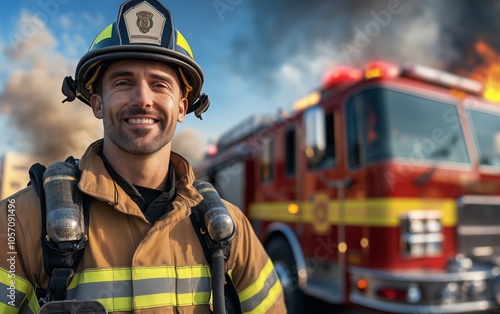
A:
388, 124
486, 129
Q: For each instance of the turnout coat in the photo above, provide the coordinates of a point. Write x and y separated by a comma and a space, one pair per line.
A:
129, 265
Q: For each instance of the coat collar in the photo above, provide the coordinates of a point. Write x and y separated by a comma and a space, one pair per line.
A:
98, 183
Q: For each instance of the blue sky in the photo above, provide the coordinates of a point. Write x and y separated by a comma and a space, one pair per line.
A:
65, 28
74, 24
258, 56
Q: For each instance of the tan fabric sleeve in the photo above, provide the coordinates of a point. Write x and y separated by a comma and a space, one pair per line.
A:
20, 249
252, 270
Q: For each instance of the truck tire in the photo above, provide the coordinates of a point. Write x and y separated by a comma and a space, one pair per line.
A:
281, 254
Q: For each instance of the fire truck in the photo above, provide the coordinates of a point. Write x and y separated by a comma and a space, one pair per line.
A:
380, 189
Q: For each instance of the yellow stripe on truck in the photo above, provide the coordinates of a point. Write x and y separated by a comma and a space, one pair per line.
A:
383, 212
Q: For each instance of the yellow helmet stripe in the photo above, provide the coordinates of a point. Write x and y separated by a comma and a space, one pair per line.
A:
104, 34
182, 42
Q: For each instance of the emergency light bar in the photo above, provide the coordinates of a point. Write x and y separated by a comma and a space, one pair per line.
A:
382, 69
442, 78
307, 101
378, 69
340, 74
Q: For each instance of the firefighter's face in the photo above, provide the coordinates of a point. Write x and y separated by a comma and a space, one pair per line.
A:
140, 104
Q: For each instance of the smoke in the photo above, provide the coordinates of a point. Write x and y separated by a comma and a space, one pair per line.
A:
461, 28
32, 100
286, 48
189, 144
310, 36
42, 124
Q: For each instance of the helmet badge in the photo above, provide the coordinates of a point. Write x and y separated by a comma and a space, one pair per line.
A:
145, 24
144, 21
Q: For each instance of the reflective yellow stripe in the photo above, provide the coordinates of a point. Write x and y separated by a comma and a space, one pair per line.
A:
101, 275
151, 287
24, 292
372, 212
116, 304
172, 299
182, 42
154, 300
191, 272
104, 34
255, 288
187, 275
262, 294
153, 272
170, 272
274, 292
112, 287
7, 309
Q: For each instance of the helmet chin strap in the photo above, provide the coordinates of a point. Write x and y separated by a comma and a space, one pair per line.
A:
89, 85
189, 88
201, 104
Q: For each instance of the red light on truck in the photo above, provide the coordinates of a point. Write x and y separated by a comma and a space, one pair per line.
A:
377, 69
340, 74
392, 293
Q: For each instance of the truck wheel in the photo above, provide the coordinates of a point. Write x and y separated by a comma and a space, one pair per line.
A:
281, 254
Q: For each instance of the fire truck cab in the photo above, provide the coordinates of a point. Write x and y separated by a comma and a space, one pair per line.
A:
381, 190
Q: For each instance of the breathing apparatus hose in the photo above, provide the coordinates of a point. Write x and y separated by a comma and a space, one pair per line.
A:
220, 227
218, 281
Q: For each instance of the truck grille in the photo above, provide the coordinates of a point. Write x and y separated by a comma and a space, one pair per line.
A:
478, 231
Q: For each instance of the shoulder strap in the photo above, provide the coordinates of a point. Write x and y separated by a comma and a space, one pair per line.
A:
59, 265
232, 299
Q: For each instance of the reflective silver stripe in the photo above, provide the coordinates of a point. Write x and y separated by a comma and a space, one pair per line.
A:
123, 288
171, 285
7, 296
250, 304
101, 290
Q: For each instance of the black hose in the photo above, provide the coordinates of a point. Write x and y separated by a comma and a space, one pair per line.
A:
218, 282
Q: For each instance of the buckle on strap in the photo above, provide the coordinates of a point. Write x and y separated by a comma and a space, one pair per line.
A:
59, 282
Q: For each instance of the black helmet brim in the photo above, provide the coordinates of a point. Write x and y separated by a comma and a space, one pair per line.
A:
91, 61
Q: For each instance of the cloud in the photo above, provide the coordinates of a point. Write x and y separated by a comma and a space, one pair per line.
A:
74, 45
31, 98
65, 21
30, 37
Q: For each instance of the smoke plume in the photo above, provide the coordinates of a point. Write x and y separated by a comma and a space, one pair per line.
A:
311, 36
189, 144
33, 102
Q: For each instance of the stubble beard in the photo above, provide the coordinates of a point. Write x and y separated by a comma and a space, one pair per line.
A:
134, 142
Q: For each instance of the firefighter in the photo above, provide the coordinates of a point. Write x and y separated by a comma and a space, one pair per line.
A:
142, 253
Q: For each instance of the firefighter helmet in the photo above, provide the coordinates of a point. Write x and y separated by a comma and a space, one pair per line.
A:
143, 30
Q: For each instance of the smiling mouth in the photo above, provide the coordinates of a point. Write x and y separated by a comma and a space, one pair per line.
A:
140, 121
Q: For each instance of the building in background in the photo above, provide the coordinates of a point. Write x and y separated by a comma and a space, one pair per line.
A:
14, 175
